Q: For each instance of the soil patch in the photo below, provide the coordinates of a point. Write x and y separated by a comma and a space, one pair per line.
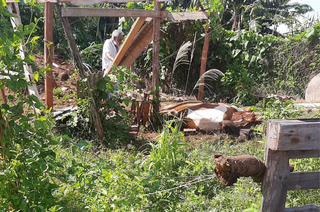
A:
65, 82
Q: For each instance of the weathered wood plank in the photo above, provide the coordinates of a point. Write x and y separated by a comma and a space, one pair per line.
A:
303, 134
91, 2
304, 154
274, 183
156, 63
75, 53
203, 66
141, 41
140, 35
204, 57
145, 109
3, 95
183, 16
306, 208
129, 40
303, 180
106, 12
72, 42
86, 2
48, 53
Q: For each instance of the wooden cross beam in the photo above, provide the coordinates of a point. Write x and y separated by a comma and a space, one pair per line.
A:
91, 2
106, 12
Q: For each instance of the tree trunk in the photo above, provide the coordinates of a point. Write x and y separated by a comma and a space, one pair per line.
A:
229, 168
236, 26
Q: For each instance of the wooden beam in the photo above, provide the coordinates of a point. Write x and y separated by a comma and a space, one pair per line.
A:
306, 208
290, 135
303, 180
183, 16
106, 12
274, 185
91, 2
142, 41
155, 63
48, 53
204, 57
75, 53
2, 145
72, 43
127, 43
203, 62
3, 95
304, 154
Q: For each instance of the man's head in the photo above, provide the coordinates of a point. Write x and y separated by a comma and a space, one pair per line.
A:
117, 36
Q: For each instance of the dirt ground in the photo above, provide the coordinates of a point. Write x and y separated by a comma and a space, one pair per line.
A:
65, 82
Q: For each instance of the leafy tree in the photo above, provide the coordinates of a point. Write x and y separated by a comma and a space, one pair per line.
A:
267, 13
261, 14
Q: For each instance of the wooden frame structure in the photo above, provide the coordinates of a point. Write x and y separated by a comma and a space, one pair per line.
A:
157, 14
288, 139
135, 38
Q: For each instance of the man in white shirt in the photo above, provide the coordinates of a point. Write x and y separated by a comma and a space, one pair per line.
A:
110, 49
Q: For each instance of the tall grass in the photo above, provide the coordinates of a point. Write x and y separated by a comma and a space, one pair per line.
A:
167, 152
129, 180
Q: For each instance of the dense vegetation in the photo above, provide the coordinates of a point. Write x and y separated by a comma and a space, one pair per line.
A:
47, 169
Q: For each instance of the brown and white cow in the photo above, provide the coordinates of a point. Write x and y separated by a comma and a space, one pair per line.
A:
201, 116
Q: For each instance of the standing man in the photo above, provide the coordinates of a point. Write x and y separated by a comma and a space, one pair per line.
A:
110, 49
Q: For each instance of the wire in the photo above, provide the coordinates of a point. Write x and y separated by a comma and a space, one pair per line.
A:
180, 186
180, 177
187, 184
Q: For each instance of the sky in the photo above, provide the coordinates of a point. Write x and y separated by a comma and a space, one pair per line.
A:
315, 4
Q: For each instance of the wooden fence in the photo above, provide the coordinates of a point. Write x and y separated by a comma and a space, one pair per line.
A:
288, 139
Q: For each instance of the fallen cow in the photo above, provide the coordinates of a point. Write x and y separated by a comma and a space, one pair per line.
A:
211, 116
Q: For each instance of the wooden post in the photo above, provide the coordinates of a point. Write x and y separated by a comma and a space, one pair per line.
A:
288, 139
3, 95
75, 53
48, 52
1, 127
275, 181
203, 62
203, 57
72, 42
2, 145
155, 61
